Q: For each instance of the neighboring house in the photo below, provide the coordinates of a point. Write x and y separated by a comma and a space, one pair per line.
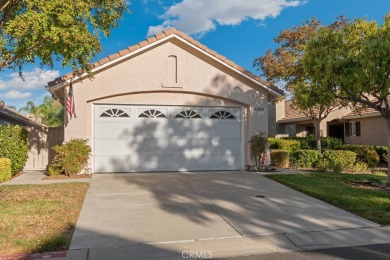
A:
167, 104
40, 138
366, 127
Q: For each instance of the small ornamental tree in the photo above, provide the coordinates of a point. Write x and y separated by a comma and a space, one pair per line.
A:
354, 64
258, 144
285, 64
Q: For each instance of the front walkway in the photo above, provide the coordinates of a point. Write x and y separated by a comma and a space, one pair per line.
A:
36, 177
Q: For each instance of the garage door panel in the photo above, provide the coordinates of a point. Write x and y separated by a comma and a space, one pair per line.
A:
104, 130
167, 144
161, 146
167, 162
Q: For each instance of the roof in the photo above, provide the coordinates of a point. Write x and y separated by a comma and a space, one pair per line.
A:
291, 114
364, 113
64, 80
15, 116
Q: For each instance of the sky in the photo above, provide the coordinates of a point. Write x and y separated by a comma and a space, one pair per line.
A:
240, 30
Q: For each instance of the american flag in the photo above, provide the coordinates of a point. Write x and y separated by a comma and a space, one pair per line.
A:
70, 108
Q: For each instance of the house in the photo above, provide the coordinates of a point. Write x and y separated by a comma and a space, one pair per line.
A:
168, 103
366, 127
41, 138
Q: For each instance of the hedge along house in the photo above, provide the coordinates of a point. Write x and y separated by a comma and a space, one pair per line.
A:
167, 104
40, 137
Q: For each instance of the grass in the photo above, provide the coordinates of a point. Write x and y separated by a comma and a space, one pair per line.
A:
336, 190
39, 218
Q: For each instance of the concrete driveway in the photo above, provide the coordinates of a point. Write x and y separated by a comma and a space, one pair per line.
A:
146, 208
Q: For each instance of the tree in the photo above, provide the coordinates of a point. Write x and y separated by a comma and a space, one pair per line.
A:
32, 109
56, 30
285, 64
51, 112
355, 63
2, 104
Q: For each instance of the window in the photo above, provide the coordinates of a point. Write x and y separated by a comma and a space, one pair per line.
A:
188, 114
152, 113
114, 112
290, 131
222, 114
352, 129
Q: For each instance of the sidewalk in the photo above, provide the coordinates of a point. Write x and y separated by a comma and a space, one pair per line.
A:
228, 247
36, 177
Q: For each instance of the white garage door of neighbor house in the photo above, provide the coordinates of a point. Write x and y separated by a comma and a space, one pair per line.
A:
166, 138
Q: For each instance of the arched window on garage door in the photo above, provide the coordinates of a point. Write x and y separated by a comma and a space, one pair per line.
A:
222, 114
152, 113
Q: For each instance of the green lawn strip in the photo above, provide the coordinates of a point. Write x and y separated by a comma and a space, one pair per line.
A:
39, 218
336, 190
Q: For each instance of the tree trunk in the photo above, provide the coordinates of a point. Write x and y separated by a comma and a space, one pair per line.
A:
388, 152
317, 132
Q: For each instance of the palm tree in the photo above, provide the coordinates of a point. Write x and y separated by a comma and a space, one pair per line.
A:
31, 109
2, 104
51, 112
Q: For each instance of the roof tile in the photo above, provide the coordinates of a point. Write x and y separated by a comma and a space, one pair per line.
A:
151, 39
114, 56
104, 61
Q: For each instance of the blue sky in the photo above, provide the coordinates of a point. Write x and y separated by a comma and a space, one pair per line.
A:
241, 30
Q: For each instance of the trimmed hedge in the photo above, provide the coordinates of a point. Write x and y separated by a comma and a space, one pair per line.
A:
283, 144
280, 158
382, 151
337, 160
364, 153
5, 169
309, 143
305, 158
14, 145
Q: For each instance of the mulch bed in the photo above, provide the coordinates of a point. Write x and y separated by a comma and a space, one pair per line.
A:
370, 185
66, 177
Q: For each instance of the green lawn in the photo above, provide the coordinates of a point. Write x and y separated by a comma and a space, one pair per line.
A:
38, 218
336, 190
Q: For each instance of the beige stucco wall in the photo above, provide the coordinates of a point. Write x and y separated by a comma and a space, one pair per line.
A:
143, 79
335, 114
373, 131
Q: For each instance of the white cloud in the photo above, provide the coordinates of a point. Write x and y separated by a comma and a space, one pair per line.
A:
200, 16
34, 79
15, 94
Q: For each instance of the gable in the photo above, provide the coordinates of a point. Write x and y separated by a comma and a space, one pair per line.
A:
148, 48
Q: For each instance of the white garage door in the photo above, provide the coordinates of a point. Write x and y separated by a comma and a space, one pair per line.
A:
164, 138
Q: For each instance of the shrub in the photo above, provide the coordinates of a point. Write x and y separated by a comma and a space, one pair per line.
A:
337, 160
14, 146
70, 157
382, 151
360, 167
258, 144
305, 158
309, 143
364, 153
5, 169
280, 158
283, 144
